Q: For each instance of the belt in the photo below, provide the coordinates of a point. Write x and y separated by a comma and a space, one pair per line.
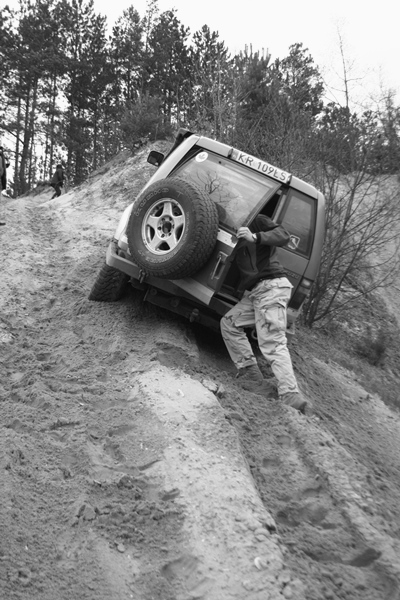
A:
265, 279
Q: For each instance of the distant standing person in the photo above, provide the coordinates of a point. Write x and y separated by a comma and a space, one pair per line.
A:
57, 181
4, 164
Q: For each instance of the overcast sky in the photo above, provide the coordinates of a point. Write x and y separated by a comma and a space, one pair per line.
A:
369, 32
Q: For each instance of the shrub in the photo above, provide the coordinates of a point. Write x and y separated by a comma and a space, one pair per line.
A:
373, 347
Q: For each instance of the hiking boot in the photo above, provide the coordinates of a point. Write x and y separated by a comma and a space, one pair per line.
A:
294, 400
266, 388
251, 379
250, 375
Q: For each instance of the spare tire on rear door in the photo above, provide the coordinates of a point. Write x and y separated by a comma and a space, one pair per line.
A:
172, 229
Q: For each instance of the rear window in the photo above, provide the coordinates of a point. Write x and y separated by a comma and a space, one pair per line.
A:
298, 217
235, 190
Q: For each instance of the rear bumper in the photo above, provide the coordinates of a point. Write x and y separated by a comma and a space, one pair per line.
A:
117, 259
164, 293
119, 262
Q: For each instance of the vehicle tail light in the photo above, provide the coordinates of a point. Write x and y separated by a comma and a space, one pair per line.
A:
301, 293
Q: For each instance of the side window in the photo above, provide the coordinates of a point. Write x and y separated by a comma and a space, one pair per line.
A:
298, 217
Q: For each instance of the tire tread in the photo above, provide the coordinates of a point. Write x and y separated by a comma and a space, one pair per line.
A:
109, 285
202, 241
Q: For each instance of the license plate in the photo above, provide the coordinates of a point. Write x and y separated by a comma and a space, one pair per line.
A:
261, 166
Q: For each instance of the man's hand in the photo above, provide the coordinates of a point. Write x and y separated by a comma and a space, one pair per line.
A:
244, 232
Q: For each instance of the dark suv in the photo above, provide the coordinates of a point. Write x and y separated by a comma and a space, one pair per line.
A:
177, 240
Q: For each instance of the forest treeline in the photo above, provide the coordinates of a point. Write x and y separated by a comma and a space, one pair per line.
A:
74, 92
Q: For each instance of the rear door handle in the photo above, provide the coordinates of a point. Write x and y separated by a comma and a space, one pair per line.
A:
216, 273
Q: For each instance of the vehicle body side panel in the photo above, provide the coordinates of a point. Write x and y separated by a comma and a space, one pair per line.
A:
294, 265
315, 258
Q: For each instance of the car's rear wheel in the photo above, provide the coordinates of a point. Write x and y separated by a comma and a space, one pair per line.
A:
109, 286
172, 229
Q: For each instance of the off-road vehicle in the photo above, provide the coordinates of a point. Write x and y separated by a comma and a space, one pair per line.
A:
177, 241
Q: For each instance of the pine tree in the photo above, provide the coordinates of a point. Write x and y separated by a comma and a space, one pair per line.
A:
211, 100
167, 64
86, 78
31, 61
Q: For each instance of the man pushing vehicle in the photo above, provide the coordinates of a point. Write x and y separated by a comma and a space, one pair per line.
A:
264, 305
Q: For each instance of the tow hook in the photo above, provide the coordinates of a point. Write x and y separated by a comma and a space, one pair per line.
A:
194, 315
142, 276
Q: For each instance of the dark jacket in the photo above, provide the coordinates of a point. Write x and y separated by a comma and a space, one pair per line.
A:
4, 164
258, 261
58, 177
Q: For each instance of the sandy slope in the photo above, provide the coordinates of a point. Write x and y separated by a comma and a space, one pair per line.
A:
133, 467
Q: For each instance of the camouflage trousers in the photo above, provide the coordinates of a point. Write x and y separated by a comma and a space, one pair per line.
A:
265, 307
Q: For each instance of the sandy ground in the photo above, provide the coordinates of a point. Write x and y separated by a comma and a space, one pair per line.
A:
133, 467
